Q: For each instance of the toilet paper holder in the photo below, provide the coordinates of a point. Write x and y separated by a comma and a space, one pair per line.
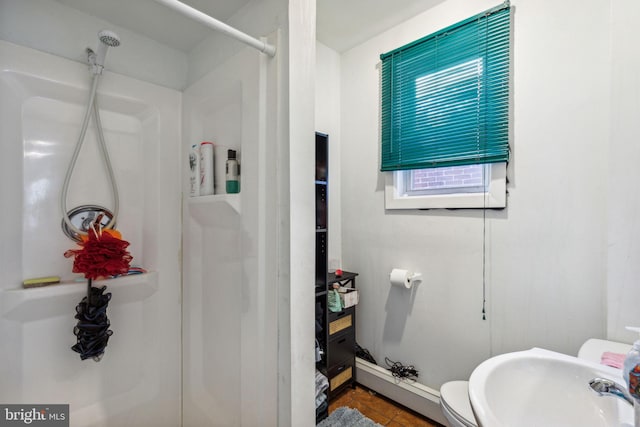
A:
415, 277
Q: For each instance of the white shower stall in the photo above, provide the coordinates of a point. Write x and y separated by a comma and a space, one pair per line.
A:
210, 334
230, 325
42, 98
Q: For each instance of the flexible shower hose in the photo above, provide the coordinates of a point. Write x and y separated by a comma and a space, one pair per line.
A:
92, 105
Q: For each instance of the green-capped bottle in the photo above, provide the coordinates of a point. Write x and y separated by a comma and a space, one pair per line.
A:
232, 173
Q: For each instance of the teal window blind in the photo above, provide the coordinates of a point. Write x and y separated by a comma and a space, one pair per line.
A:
445, 97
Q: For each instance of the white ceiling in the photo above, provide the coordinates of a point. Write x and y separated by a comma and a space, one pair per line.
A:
341, 24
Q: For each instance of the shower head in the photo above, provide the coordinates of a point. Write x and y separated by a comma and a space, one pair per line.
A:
107, 39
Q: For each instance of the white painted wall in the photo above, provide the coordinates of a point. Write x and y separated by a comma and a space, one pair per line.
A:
297, 401
546, 254
623, 239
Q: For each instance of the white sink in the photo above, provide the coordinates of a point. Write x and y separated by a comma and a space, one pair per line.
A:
543, 388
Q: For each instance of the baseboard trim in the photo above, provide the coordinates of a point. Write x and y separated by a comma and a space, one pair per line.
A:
415, 396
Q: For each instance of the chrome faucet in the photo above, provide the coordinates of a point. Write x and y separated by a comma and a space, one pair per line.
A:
603, 387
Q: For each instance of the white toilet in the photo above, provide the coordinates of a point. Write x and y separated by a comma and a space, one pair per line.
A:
455, 404
454, 395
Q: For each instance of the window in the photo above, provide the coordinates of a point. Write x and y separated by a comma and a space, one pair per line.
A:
444, 125
405, 190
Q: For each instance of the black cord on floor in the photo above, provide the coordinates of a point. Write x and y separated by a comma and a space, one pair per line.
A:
363, 353
398, 370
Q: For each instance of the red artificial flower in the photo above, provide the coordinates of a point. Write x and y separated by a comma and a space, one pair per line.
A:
103, 254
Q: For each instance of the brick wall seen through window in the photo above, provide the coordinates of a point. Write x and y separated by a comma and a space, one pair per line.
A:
446, 177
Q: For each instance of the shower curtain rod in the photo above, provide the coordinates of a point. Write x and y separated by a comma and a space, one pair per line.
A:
213, 23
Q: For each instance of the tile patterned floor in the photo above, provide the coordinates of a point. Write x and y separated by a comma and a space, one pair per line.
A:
380, 409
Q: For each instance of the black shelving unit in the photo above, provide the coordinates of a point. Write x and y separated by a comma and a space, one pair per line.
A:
322, 168
335, 331
340, 355
322, 208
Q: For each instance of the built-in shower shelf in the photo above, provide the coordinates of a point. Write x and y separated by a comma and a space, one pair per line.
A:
210, 210
35, 303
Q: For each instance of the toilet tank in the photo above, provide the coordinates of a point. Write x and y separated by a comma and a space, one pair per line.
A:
593, 348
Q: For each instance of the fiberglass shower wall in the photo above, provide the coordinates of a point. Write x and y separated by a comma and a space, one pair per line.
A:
229, 256
42, 100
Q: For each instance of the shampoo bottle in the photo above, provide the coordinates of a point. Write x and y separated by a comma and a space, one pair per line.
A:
232, 173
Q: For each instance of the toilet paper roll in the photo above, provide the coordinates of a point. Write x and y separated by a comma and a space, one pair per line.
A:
399, 277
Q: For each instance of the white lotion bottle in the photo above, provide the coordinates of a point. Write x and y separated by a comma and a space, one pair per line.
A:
206, 168
194, 170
